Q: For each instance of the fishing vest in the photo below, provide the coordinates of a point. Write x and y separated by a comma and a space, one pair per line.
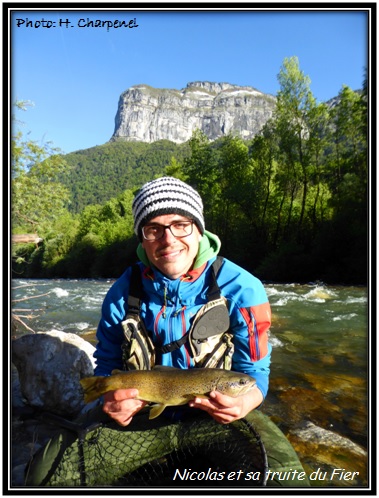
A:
209, 338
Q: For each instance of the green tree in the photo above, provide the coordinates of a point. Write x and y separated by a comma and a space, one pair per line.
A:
175, 169
59, 240
264, 152
348, 161
234, 210
319, 192
201, 169
37, 195
300, 125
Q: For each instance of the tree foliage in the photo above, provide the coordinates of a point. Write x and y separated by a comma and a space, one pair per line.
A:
37, 195
100, 173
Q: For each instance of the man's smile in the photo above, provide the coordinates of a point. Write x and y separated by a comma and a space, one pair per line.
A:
170, 254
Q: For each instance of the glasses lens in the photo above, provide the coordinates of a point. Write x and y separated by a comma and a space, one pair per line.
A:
153, 232
181, 229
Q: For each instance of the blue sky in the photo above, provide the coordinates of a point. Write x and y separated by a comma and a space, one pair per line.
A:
75, 75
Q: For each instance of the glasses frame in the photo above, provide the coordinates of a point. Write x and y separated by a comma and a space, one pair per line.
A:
191, 223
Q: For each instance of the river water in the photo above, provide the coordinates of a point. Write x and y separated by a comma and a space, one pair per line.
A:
319, 372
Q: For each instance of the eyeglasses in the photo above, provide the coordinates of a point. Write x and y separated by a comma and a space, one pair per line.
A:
178, 229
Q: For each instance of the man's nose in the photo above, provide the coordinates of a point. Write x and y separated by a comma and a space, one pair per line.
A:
167, 235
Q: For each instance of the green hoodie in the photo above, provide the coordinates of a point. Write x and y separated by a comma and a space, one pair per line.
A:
208, 248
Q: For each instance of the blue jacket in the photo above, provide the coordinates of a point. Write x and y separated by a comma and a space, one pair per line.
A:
171, 305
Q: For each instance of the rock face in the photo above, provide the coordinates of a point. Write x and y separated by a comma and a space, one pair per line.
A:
50, 365
147, 114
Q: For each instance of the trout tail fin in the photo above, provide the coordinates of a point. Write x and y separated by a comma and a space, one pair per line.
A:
93, 387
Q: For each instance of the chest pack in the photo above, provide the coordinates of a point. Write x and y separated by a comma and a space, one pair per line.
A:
210, 342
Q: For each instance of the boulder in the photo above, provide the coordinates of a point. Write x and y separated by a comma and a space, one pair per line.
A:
50, 365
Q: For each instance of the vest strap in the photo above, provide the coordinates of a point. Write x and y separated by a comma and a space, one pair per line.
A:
214, 290
172, 346
135, 291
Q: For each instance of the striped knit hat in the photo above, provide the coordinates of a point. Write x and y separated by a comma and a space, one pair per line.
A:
166, 195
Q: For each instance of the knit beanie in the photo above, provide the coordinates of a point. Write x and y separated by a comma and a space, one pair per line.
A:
166, 195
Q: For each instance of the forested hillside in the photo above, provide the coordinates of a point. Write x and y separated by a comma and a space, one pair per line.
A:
97, 174
289, 205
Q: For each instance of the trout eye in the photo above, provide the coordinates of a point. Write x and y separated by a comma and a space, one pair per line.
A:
242, 382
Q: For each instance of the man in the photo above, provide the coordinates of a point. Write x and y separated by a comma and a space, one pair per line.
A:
180, 306
176, 255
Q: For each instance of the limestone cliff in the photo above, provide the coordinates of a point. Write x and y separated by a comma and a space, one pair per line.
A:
149, 114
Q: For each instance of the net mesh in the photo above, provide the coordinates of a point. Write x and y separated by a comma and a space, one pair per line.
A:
194, 452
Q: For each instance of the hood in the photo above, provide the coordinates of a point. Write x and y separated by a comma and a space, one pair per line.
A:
209, 247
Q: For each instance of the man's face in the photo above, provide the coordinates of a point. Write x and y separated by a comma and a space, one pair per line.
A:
172, 256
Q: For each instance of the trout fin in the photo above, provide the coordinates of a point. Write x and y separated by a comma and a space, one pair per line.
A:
203, 396
117, 371
156, 410
91, 388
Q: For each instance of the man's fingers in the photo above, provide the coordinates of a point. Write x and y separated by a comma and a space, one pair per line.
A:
122, 394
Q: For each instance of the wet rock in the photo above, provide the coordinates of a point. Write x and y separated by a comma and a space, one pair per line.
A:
337, 384
316, 435
50, 365
331, 452
300, 402
328, 360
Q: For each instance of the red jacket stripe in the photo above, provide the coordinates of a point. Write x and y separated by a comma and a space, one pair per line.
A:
258, 321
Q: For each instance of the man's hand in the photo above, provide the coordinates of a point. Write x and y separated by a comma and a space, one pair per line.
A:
122, 405
225, 409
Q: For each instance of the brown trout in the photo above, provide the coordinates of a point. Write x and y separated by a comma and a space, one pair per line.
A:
168, 386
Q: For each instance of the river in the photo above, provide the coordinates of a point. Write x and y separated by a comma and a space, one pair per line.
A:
319, 372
